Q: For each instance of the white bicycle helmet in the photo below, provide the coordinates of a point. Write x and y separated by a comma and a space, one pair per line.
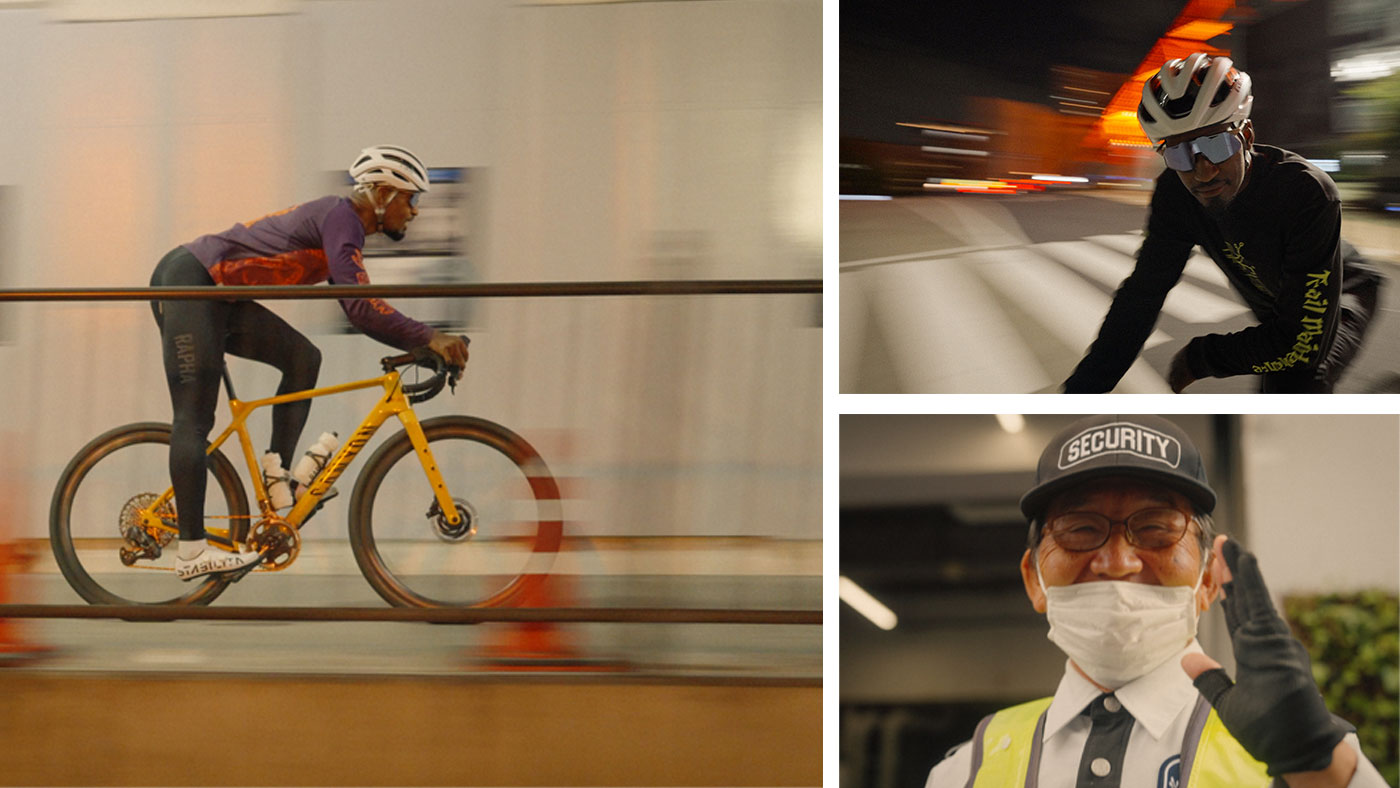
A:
392, 165
1192, 93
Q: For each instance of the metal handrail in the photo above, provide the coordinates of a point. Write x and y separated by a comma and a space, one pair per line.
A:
436, 615
479, 290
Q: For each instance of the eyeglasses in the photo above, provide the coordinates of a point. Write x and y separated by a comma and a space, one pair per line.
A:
1216, 147
413, 199
1150, 529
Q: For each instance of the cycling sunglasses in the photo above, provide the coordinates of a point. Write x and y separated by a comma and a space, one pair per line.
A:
1216, 147
413, 198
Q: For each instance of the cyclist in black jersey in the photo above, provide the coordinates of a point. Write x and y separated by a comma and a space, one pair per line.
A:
1267, 217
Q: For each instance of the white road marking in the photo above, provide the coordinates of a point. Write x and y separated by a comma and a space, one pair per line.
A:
1074, 313
1186, 302
945, 330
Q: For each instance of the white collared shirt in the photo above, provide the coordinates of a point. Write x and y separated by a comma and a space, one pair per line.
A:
1161, 704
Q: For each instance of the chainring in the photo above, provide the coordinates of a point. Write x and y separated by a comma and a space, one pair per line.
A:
278, 542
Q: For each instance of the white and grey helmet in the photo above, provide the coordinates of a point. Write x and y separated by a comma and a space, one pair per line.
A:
1191, 93
392, 165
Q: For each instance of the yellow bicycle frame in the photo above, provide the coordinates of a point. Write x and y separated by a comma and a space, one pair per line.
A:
393, 403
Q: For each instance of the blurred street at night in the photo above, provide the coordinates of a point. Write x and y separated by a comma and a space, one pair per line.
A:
995, 180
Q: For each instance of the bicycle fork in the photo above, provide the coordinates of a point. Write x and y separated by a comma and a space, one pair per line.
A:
447, 508
394, 404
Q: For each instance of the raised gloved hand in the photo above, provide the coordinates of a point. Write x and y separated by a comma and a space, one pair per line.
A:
1274, 709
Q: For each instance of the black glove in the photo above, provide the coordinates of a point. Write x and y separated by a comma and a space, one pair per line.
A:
1275, 710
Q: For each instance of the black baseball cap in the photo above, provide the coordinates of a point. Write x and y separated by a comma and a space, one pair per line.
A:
1146, 447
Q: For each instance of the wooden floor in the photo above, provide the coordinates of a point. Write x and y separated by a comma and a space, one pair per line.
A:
163, 729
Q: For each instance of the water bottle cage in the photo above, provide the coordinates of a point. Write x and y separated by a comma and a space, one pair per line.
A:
270, 482
321, 460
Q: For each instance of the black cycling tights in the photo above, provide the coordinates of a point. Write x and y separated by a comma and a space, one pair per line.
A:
194, 336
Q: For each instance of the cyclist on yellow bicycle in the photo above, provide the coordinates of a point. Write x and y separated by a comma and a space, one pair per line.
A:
317, 241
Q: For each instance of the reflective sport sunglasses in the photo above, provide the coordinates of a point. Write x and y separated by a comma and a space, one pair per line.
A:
413, 199
1216, 147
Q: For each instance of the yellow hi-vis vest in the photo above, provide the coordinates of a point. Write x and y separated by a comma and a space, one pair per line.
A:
1006, 751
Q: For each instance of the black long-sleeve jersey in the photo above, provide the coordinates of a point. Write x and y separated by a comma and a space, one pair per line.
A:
1280, 245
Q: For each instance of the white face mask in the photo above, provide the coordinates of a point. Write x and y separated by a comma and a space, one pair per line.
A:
1117, 631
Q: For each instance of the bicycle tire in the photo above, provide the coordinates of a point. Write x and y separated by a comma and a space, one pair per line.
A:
504, 468
105, 451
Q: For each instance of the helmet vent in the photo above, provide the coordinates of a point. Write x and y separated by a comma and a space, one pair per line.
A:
1180, 107
409, 164
1224, 89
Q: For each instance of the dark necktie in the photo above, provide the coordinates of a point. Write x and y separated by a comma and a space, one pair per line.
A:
1101, 765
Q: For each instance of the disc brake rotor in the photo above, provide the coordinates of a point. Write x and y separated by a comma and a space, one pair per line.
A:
466, 522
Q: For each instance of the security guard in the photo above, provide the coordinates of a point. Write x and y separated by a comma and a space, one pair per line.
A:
1122, 560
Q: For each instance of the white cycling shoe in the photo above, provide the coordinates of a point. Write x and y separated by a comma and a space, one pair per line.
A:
214, 562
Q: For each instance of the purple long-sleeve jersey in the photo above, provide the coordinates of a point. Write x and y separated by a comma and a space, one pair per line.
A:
317, 241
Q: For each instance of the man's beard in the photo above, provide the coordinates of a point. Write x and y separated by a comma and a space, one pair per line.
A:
394, 235
1216, 207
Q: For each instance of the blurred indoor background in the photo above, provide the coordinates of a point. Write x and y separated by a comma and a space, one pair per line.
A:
569, 141
575, 142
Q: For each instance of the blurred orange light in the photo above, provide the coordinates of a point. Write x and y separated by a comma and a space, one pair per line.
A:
971, 186
1197, 23
1124, 126
1201, 30
1026, 185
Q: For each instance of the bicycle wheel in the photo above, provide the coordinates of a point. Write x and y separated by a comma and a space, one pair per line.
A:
115, 475
510, 533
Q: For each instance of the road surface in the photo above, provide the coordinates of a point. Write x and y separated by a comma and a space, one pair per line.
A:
1003, 294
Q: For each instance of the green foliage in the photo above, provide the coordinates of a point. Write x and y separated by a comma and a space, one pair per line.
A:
1382, 98
1354, 643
